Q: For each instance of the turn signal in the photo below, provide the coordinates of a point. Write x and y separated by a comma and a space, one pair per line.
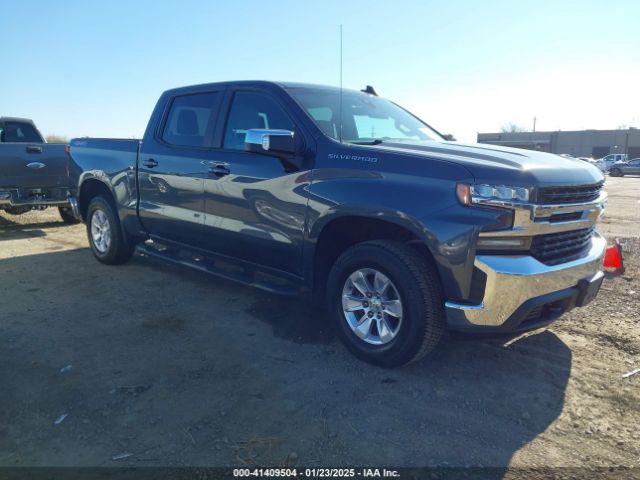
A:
463, 192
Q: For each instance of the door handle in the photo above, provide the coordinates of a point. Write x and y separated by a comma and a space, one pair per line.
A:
150, 163
34, 149
219, 170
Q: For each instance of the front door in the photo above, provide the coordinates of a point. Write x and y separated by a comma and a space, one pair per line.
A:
255, 205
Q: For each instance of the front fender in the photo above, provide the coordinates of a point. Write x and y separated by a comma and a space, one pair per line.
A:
426, 207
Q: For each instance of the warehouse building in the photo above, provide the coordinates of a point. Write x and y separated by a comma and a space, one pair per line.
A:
583, 143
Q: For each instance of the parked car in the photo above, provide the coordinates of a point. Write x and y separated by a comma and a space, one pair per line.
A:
605, 163
364, 208
33, 174
619, 169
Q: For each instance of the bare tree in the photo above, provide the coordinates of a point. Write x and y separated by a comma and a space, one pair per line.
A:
57, 139
512, 128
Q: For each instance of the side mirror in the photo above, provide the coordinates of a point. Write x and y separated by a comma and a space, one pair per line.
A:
263, 140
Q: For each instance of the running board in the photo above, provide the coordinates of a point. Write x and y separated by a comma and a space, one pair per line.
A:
257, 279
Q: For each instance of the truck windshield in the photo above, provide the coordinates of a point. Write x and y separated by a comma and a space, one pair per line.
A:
366, 119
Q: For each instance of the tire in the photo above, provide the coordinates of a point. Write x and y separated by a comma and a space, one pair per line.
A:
408, 333
109, 243
67, 216
616, 172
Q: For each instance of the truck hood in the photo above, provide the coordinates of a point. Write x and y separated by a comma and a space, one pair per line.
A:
503, 165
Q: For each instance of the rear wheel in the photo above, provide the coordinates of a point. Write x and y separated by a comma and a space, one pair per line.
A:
387, 302
109, 242
67, 215
616, 172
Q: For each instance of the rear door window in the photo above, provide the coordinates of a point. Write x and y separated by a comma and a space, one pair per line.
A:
192, 119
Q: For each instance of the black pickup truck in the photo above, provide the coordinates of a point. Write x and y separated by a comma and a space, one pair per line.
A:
348, 198
33, 174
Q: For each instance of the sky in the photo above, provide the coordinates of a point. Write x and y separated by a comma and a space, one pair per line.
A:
96, 68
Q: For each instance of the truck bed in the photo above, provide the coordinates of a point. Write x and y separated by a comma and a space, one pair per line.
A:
105, 154
110, 160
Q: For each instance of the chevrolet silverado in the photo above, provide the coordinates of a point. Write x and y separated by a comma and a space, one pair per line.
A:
350, 199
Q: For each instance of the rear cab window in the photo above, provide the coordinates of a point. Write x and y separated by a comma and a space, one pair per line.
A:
19, 132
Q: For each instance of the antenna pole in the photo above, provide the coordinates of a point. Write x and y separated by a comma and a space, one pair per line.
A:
340, 116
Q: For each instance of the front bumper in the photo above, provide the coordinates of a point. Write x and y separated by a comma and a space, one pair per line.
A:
522, 293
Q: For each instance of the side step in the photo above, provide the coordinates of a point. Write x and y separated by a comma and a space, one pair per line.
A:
221, 269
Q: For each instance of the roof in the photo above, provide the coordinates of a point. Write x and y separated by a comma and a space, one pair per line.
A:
16, 119
257, 83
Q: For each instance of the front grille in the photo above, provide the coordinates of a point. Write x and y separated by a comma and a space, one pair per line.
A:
562, 195
565, 217
555, 248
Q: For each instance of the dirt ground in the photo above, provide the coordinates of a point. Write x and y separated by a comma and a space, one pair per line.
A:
173, 367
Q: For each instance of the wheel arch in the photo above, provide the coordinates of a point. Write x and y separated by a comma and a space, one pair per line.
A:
334, 234
89, 188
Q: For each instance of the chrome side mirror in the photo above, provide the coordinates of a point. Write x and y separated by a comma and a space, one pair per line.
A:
264, 140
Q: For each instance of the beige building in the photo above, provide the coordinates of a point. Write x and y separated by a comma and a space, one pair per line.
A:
583, 143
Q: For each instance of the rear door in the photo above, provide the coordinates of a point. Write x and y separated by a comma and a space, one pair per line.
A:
172, 167
255, 205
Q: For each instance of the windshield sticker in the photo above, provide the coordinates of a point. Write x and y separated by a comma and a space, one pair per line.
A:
357, 158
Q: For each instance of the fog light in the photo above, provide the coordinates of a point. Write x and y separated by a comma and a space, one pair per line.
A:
502, 243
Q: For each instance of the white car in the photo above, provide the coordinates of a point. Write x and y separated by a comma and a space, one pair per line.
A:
605, 163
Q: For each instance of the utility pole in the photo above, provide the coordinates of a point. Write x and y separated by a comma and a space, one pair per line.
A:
534, 124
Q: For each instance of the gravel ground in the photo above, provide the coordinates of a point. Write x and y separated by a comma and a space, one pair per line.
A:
178, 368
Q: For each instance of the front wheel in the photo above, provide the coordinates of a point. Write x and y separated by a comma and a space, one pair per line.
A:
615, 172
387, 302
109, 243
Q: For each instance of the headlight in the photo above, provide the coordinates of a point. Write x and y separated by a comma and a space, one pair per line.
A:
468, 194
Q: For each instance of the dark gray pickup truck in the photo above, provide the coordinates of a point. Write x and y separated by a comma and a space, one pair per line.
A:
33, 174
348, 198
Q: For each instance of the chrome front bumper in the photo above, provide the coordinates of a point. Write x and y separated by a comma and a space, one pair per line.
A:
515, 281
